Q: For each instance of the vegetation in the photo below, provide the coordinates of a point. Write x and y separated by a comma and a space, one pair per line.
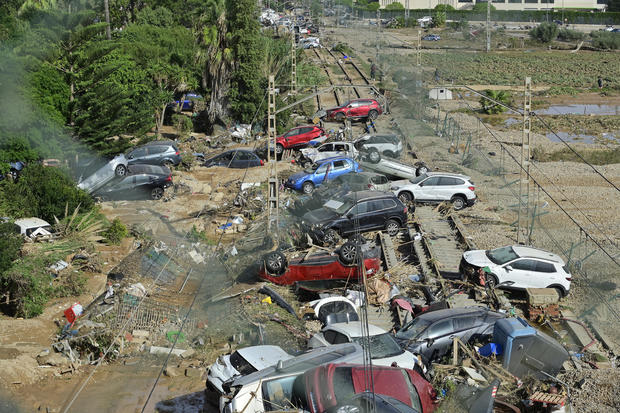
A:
10, 246
593, 156
491, 108
116, 232
482, 7
545, 32
605, 40
395, 6
570, 35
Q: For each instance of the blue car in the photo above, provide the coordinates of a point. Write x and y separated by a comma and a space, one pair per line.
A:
188, 103
308, 179
432, 37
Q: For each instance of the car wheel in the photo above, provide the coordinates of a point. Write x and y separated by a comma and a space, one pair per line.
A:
490, 280
157, 193
168, 164
331, 237
421, 170
392, 227
389, 154
307, 187
560, 291
121, 170
405, 197
373, 114
279, 148
374, 156
275, 263
348, 253
458, 202
339, 117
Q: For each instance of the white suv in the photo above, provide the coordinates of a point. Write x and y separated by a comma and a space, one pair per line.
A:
519, 266
437, 187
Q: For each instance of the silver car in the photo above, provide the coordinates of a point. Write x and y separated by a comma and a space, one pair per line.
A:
434, 187
103, 175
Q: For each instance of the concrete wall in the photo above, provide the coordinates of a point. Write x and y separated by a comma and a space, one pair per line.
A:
501, 4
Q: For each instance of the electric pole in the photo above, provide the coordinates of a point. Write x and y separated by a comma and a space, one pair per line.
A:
406, 11
523, 216
272, 161
293, 64
488, 26
419, 49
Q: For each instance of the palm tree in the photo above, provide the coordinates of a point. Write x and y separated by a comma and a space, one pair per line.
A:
36, 5
489, 106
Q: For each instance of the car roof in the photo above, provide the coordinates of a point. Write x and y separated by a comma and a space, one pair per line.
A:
338, 352
354, 329
359, 195
334, 158
31, 222
147, 169
530, 252
453, 312
162, 143
448, 174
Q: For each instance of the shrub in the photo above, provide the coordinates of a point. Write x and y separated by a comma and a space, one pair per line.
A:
482, 7
115, 233
458, 26
605, 40
183, 124
10, 246
491, 107
395, 6
439, 18
545, 32
443, 7
570, 35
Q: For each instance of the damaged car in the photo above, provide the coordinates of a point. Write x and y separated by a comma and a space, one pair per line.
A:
97, 175
517, 267
241, 363
355, 109
356, 212
322, 265
140, 181
236, 158
324, 170
436, 187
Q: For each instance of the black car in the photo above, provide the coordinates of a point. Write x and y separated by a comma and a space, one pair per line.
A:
140, 181
430, 334
164, 153
236, 158
360, 211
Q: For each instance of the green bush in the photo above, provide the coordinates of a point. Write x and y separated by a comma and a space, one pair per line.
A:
10, 246
570, 35
395, 6
482, 7
545, 32
490, 107
115, 233
605, 40
444, 7
183, 124
439, 18
459, 26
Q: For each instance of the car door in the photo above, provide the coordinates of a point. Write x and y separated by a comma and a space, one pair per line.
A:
440, 334
291, 136
546, 274
223, 160
377, 214
521, 272
319, 175
302, 137
340, 167
427, 189
464, 327
357, 218
447, 187
239, 160
136, 156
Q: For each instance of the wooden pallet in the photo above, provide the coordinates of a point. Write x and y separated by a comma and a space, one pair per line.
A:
548, 398
388, 250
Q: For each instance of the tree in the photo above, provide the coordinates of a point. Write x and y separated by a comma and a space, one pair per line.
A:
439, 18
490, 107
482, 7
545, 32
374, 6
10, 246
444, 7
395, 6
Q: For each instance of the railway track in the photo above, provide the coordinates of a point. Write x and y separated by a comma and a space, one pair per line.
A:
323, 63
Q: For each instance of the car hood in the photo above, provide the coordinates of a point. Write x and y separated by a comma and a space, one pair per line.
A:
297, 176
405, 360
319, 216
309, 152
221, 371
477, 258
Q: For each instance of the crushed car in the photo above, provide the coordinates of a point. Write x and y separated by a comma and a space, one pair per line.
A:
139, 181
355, 109
322, 171
235, 158
97, 175
435, 187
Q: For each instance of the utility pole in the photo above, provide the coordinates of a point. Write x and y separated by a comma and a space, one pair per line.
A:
419, 49
293, 64
523, 216
272, 161
106, 7
378, 34
488, 26
406, 11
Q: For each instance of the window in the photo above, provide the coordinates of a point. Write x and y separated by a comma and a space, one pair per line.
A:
544, 267
376, 205
329, 336
157, 149
524, 265
340, 338
378, 180
293, 132
326, 148
466, 1
531, 1
335, 307
137, 153
243, 156
338, 165
464, 323
360, 208
240, 364
499, 1
432, 181
322, 169
340, 147
515, 1
502, 255
440, 328
277, 393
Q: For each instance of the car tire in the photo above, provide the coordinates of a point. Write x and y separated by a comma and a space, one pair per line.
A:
307, 187
490, 280
168, 164
373, 114
392, 227
348, 253
374, 156
421, 170
405, 197
279, 149
121, 170
339, 117
331, 237
275, 263
458, 202
389, 154
560, 290
157, 193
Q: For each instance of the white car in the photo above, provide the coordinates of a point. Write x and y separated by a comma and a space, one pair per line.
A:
33, 228
98, 178
519, 267
242, 362
384, 349
272, 388
437, 187
328, 150
376, 145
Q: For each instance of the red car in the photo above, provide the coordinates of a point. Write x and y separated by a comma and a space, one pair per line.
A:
319, 266
298, 137
356, 109
332, 385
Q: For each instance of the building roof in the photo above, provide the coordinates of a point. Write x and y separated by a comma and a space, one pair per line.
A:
31, 222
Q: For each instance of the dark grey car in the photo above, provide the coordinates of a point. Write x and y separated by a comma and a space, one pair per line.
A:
164, 153
430, 334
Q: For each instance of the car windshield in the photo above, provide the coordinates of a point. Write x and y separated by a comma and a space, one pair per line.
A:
381, 346
338, 206
501, 255
343, 383
418, 179
240, 364
413, 329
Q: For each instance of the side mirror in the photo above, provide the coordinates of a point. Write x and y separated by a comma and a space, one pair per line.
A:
350, 215
429, 342
421, 184
130, 157
508, 268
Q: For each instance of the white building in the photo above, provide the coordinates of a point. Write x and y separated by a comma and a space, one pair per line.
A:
440, 94
503, 4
